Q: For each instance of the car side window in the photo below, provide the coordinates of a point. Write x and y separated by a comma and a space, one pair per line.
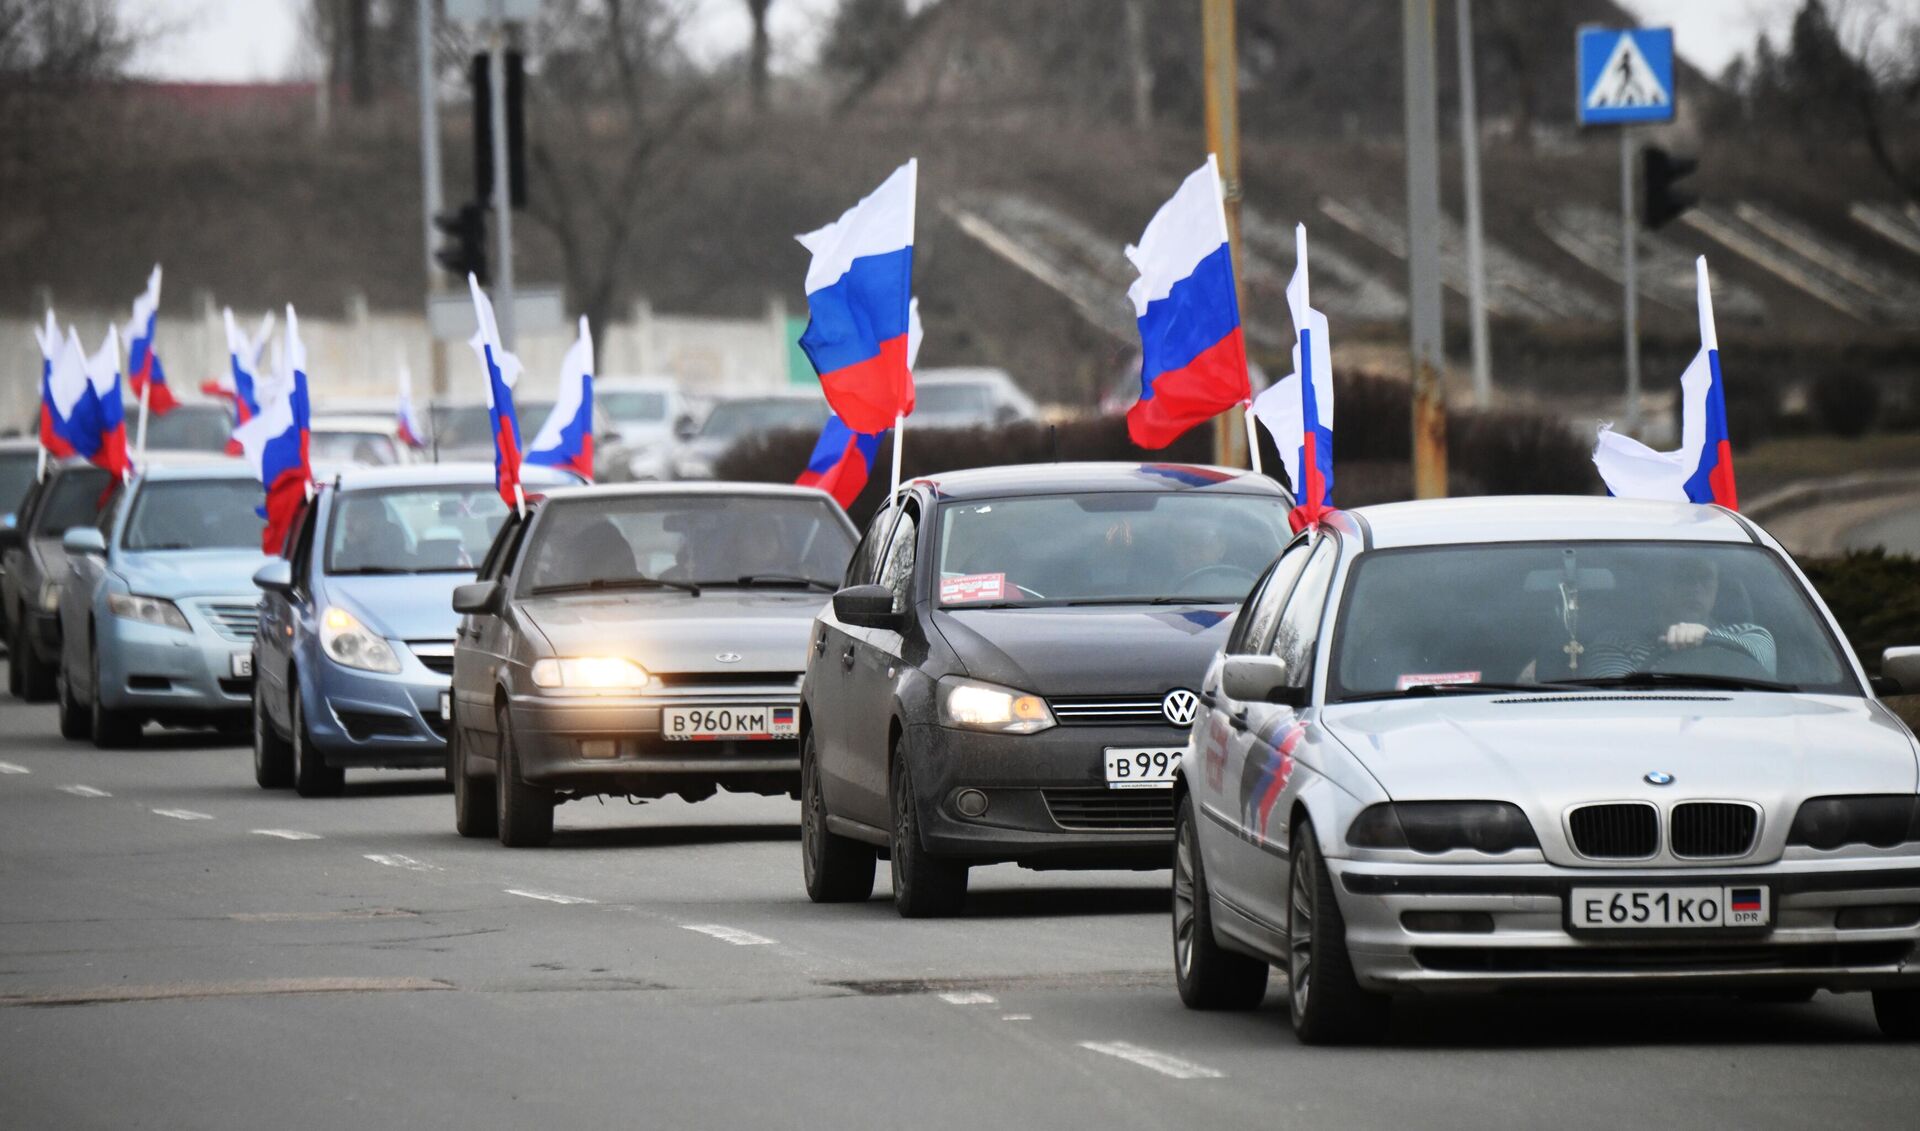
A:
1299, 628
111, 512
499, 559
1261, 613
302, 547
896, 569
867, 553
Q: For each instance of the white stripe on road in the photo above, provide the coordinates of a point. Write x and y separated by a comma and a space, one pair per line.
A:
551, 897
1016, 1017
733, 935
10, 768
183, 814
398, 861
1158, 1061
967, 997
287, 834
84, 791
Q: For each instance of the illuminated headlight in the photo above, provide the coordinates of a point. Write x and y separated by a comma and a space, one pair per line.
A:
985, 706
50, 600
350, 644
589, 673
147, 610
1432, 827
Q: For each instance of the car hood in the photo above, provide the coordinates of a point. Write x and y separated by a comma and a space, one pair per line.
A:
189, 573
412, 606
1090, 650
673, 631
1558, 750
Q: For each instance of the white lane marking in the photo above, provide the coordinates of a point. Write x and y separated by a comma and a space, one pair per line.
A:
550, 896
10, 768
1016, 1017
287, 834
1160, 1062
398, 861
182, 814
733, 935
967, 997
84, 791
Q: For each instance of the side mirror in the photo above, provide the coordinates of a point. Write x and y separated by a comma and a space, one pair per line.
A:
81, 540
865, 606
12, 538
685, 428
477, 598
1259, 679
275, 577
1899, 672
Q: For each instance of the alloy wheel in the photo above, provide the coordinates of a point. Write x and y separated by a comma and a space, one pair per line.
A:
1300, 932
1183, 900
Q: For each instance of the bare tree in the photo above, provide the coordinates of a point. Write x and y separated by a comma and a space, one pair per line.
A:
1870, 51
758, 57
63, 41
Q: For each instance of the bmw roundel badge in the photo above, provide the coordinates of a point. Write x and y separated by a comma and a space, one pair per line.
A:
1659, 777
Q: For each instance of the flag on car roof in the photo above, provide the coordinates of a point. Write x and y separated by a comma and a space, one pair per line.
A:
103, 373
243, 361
1298, 409
406, 423
144, 371
51, 342
503, 369
276, 441
69, 408
858, 289
842, 459
1701, 470
1193, 358
566, 439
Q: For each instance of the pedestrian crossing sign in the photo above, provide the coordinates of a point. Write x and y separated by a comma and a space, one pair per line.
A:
1626, 75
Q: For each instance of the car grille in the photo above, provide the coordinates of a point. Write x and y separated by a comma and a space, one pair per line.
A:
1109, 710
1654, 959
1703, 830
1623, 831
434, 655
726, 679
362, 725
235, 620
1099, 809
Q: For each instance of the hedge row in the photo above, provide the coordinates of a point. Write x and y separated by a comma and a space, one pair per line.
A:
1874, 595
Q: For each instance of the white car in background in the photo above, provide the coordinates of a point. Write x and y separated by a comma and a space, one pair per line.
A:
741, 418
368, 440
968, 398
641, 419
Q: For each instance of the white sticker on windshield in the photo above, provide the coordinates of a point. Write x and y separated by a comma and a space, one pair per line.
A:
973, 587
1435, 679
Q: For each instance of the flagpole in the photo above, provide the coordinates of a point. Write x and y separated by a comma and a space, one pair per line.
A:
140, 442
899, 426
1253, 438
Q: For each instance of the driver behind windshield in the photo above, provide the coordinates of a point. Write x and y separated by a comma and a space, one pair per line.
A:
1685, 599
373, 539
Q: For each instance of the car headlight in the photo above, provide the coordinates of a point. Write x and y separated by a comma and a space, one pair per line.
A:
50, 597
147, 610
589, 673
352, 645
1881, 821
1433, 827
985, 706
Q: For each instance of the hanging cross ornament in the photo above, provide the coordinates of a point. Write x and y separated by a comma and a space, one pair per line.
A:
1570, 617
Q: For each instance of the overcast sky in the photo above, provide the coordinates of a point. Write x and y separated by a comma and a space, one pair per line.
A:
252, 40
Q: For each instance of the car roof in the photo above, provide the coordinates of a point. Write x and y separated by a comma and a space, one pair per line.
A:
210, 469
452, 474
644, 384
353, 422
1538, 518
13, 444
1075, 478
685, 487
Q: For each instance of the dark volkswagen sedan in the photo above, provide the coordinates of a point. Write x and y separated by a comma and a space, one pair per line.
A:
1009, 673
638, 641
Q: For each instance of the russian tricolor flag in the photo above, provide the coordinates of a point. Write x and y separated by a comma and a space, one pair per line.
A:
69, 408
841, 461
566, 439
52, 344
1298, 409
406, 423
276, 442
1193, 359
859, 286
103, 374
1701, 471
243, 359
144, 371
503, 369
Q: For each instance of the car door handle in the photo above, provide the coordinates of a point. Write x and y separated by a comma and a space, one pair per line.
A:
820, 644
846, 659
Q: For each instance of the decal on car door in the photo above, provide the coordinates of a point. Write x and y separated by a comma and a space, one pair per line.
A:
1264, 779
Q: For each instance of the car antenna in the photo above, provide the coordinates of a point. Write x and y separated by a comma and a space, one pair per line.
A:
1053, 441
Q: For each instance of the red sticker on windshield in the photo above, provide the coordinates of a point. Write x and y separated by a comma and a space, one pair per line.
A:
1435, 679
973, 587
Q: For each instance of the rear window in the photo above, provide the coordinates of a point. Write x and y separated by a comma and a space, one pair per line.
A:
73, 500
16, 475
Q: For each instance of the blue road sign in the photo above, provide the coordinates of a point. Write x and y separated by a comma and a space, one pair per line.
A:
1626, 75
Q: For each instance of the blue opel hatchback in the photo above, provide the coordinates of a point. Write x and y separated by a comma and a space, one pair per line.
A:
355, 650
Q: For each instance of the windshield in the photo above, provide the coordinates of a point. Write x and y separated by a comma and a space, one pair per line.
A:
1123, 548
16, 475
73, 501
373, 448
1562, 613
632, 406
957, 399
188, 428
732, 419
708, 539
468, 426
413, 529
189, 514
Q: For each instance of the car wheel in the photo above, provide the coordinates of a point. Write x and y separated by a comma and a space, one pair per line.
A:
111, 729
476, 811
838, 869
76, 721
1209, 975
525, 812
1329, 1007
924, 886
272, 755
312, 777
36, 683
1782, 995
16, 686
1898, 1012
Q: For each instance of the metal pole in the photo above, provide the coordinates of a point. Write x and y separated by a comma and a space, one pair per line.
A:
1423, 252
899, 427
502, 192
1630, 265
1221, 61
1476, 239
431, 194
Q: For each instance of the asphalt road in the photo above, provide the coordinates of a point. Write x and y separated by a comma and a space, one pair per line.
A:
180, 949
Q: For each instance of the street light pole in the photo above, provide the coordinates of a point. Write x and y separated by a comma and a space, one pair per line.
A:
1476, 236
1423, 253
502, 191
1630, 265
1221, 62
431, 195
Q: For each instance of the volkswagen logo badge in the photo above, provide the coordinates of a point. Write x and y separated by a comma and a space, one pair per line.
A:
1659, 777
727, 657
1180, 706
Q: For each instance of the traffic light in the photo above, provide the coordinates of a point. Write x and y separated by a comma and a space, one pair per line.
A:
1660, 172
483, 130
467, 227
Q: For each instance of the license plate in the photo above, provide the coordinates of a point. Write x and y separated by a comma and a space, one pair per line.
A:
1141, 768
446, 706
241, 665
707, 724
1662, 908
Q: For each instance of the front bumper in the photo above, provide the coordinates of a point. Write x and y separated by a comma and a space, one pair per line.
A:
549, 732
1048, 802
166, 673
1531, 946
375, 720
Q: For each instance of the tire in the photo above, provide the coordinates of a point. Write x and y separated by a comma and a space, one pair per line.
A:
16, 686
524, 812
272, 755
1328, 1005
111, 729
837, 869
312, 777
1783, 995
1209, 975
924, 886
36, 682
76, 721
476, 809
1898, 1012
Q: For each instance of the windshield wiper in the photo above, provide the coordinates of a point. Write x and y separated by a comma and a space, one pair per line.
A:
163, 546
1427, 689
378, 570
1678, 679
784, 580
599, 583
